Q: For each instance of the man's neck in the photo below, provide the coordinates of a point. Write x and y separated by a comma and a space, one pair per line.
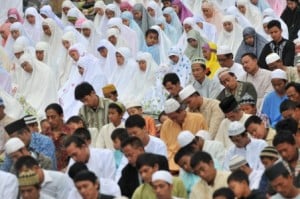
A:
212, 182
278, 41
201, 80
254, 72
116, 124
247, 192
146, 140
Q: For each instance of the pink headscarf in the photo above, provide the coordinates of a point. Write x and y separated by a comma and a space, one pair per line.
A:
6, 29
184, 12
125, 6
13, 12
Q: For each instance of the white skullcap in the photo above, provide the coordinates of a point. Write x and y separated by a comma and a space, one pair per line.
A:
205, 135
278, 74
13, 145
42, 46
271, 58
162, 175
297, 41
223, 50
235, 128
171, 105
184, 138
186, 92
133, 103
236, 162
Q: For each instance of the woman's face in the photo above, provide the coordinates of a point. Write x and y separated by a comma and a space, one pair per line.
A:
249, 40
242, 9
15, 34
137, 15
30, 19
66, 44
176, 8
151, 12
47, 30
168, 18
65, 10
125, 22
120, 59
228, 26
109, 13
206, 53
187, 27
142, 65
207, 12
12, 20
74, 54
103, 52
27, 67
80, 70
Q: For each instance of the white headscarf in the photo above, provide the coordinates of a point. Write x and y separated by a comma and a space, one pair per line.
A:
66, 4
93, 39
242, 20
98, 18
175, 21
156, 8
47, 11
33, 31
5, 80
43, 46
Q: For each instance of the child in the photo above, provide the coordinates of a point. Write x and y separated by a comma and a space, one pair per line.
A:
238, 182
109, 91
115, 114
259, 130
223, 193
135, 108
151, 37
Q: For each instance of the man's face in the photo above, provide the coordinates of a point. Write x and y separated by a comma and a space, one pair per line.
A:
114, 116
16, 155
29, 192
146, 172
292, 94
173, 89
257, 131
137, 132
72, 126
206, 171
224, 61
248, 108
192, 102
132, 153
278, 85
177, 117
198, 72
275, 33
89, 100
134, 111
34, 127
184, 163
238, 188
239, 141
288, 113
233, 116
87, 189
54, 118
79, 154
287, 151
249, 64
283, 185
162, 189
228, 81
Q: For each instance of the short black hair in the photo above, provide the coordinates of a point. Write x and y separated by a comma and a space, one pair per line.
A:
284, 137
185, 151
148, 159
76, 119
86, 175
171, 77
83, 90
83, 133
56, 107
225, 192
163, 113
287, 105
76, 168
251, 55
119, 133
274, 23
116, 107
135, 121
238, 176
25, 161
79, 142
135, 142
153, 31
288, 124
253, 119
200, 156
293, 84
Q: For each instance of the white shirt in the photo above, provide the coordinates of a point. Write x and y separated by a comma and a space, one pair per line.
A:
101, 162
104, 140
215, 149
254, 178
55, 184
278, 196
249, 152
156, 146
9, 185
238, 70
44, 196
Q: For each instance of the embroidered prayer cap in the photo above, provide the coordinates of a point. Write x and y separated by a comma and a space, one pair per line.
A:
275, 171
187, 92
236, 162
278, 74
108, 89
171, 105
184, 138
272, 57
133, 104
228, 104
120, 105
247, 99
1, 102
15, 126
30, 119
198, 60
235, 128
162, 175
269, 152
13, 145
224, 50
28, 178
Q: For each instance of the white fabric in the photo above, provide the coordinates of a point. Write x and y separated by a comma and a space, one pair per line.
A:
103, 140
175, 22
242, 20
162, 175
47, 11
5, 80
12, 107
13, 144
156, 146
156, 8
98, 20
278, 74
35, 31
93, 39
9, 186
215, 149
66, 4
254, 178
209, 29
171, 105
6, 5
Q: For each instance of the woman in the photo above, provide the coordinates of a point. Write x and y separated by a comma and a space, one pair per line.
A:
210, 54
172, 19
141, 17
291, 16
212, 14
182, 11
33, 24
252, 43
91, 35
46, 12
154, 10
14, 16
4, 32
251, 12
99, 9
195, 42
167, 28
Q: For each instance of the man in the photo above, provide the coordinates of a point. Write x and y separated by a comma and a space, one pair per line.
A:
95, 109
209, 108
53, 183
232, 113
276, 97
225, 58
171, 83
211, 179
291, 125
293, 91
33, 141
260, 78
8, 186
15, 148
88, 186
110, 92
178, 120
274, 62
32, 123
283, 47
30, 187
282, 181
162, 182
288, 109
136, 126
100, 161
243, 145
285, 144
206, 87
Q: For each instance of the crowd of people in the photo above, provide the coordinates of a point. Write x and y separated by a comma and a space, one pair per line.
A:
148, 99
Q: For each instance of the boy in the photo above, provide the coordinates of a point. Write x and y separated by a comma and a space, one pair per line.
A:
109, 91
238, 182
115, 114
259, 130
152, 47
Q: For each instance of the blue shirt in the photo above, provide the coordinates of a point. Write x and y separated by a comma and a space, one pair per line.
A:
154, 51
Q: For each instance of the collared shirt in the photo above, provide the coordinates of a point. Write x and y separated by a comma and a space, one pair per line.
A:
98, 117
238, 70
208, 88
170, 130
203, 190
212, 113
56, 184
249, 152
270, 136
9, 185
156, 146
103, 140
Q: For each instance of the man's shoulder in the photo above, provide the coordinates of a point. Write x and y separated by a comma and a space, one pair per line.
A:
100, 152
103, 196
